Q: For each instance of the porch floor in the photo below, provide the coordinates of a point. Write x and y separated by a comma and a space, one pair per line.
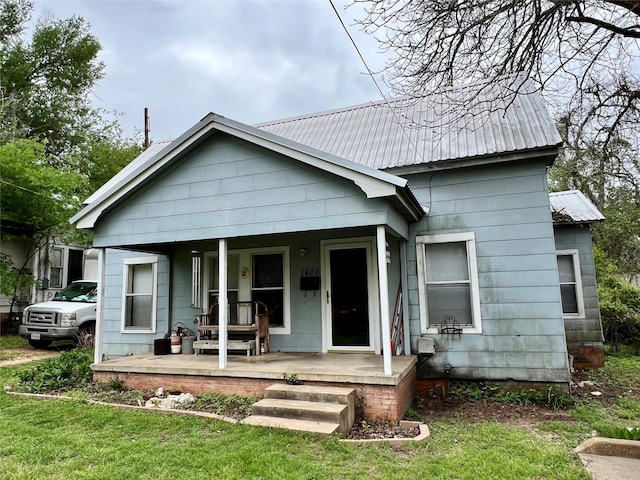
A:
356, 368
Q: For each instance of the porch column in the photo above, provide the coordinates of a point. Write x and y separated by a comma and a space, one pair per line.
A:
404, 278
222, 303
97, 336
383, 287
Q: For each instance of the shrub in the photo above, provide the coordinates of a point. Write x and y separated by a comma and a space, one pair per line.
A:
72, 368
619, 304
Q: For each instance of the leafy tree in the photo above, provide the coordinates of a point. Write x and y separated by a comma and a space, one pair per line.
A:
37, 200
45, 82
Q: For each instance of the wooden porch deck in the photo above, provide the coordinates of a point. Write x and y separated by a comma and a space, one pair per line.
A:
384, 396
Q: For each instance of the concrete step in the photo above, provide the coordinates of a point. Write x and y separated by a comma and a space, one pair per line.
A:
322, 428
300, 409
312, 393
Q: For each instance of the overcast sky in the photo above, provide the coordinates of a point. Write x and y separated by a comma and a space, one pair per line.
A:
250, 61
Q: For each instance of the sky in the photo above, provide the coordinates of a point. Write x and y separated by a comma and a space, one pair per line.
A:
250, 61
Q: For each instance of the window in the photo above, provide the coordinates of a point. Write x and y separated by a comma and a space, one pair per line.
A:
448, 283
570, 283
268, 285
55, 270
140, 294
259, 275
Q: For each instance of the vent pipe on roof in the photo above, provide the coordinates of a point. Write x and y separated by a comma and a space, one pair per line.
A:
147, 128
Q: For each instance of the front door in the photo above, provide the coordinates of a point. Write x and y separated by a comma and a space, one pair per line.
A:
347, 297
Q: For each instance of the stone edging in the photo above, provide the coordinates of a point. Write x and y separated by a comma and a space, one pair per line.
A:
395, 442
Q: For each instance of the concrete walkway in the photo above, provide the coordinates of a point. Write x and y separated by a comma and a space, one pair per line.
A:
610, 459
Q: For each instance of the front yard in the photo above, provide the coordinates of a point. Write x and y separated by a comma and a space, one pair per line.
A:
475, 433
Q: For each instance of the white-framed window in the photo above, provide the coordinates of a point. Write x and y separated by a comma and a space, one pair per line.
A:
448, 283
56, 259
570, 283
140, 296
260, 274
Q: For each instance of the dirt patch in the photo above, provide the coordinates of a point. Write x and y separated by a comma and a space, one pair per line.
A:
25, 355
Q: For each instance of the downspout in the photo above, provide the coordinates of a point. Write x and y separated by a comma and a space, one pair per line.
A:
98, 334
222, 303
383, 286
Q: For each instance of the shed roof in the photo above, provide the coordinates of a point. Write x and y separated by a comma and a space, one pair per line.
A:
406, 132
573, 207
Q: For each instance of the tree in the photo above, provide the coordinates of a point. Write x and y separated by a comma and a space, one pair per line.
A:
44, 83
37, 201
576, 51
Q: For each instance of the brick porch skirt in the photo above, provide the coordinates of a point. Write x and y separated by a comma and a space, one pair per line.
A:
379, 402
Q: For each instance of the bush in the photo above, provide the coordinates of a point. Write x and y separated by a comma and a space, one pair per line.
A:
619, 304
72, 368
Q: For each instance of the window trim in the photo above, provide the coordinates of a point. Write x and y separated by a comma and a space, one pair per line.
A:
472, 264
153, 260
574, 253
245, 255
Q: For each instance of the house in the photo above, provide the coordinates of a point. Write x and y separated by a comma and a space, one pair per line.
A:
391, 241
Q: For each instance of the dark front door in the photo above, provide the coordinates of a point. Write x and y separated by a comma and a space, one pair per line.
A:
349, 297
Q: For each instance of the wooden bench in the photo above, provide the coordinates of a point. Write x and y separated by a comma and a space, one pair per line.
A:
243, 317
248, 345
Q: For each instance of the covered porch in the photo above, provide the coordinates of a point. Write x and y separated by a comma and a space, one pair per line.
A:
384, 396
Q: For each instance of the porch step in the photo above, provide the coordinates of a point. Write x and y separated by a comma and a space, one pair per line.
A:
322, 428
306, 407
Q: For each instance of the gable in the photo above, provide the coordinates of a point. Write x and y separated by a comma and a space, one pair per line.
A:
230, 188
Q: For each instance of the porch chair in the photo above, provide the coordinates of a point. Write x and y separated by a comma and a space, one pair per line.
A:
243, 317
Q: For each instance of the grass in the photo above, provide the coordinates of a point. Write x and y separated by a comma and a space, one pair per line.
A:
74, 439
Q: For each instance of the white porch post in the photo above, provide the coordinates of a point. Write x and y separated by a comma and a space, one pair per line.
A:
383, 287
222, 303
97, 337
405, 298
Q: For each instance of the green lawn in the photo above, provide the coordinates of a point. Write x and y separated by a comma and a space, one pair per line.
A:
73, 439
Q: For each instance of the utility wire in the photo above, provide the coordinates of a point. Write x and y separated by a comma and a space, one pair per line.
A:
370, 72
30, 191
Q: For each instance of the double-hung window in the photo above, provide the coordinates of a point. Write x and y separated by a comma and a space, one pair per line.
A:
253, 275
448, 283
570, 283
140, 294
56, 269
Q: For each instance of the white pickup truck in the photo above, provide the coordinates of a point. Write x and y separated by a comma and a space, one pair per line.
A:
70, 315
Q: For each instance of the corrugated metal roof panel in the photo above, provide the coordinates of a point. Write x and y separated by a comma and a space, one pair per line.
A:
413, 131
573, 206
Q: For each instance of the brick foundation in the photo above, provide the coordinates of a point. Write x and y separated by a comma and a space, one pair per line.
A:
587, 356
380, 402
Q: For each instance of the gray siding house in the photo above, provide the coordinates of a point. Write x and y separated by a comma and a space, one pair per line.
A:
389, 224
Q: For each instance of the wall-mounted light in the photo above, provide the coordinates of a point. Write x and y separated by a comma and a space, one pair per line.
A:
388, 253
303, 252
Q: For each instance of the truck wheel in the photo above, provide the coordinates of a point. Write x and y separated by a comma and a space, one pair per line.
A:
40, 343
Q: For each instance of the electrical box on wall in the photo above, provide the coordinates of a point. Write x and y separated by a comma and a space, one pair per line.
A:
426, 345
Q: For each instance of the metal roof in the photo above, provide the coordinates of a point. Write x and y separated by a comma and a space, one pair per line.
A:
573, 207
413, 131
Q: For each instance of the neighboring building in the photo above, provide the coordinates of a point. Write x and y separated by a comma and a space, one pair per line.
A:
325, 217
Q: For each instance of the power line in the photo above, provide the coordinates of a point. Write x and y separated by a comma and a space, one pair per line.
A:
370, 72
30, 191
